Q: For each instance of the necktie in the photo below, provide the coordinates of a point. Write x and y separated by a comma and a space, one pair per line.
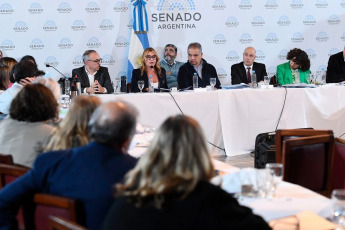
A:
248, 75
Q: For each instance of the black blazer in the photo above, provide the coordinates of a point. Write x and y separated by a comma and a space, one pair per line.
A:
186, 72
102, 76
136, 76
239, 73
336, 68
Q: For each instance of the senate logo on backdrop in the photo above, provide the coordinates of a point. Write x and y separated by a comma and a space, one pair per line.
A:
221, 73
36, 44
271, 4
311, 53
321, 4
50, 26
271, 38
231, 22
232, 56
121, 42
309, 20
78, 25
333, 51
20, 26
219, 39
284, 21
180, 14
64, 8
78, 60
93, 43
296, 4
65, 43
297, 37
322, 37
258, 21
246, 38
272, 70
245, 5
282, 54
6, 9
260, 55
35, 8
108, 60
92, 7
218, 5
7, 45
51, 60
333, 20
121, 6
106, 24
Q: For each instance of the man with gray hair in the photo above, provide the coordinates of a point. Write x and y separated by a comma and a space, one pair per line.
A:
85, 173
93, 77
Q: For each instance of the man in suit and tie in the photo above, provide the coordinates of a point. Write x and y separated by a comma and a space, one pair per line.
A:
241, 72
336, 68
93, 77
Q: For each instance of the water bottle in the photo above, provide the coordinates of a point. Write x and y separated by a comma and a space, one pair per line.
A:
123, 84
323, 76
253, 79
67, 86
77, 83
195, 81
151, 88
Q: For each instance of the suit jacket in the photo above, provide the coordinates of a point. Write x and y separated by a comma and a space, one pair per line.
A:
85, 173
284, 74
136, 76
207, 207
336, 68
239, 73
186, 72
102, 76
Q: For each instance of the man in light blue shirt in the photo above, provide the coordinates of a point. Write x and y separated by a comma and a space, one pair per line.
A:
170, 65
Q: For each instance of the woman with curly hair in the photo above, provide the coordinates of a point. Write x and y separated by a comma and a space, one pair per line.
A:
150, 66
298, 63
72, 131
169, 187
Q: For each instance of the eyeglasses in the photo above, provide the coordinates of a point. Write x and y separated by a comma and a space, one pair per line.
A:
151, 57
97, 60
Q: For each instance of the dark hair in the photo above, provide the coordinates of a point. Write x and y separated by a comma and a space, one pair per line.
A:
24, 69
113, 123
300, 58
173, 46
4, 77
28, 58
34, 103
196, 45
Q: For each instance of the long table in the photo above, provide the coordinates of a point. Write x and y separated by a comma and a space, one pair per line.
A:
231, 119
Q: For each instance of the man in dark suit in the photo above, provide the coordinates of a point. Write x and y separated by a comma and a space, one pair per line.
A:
241, 72
336, 68
196, 64
93, 77
86, 173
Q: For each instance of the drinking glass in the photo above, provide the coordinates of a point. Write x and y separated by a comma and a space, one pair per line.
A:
141, 85
266, 80
338, 204
115, 85
276, 172
212, 82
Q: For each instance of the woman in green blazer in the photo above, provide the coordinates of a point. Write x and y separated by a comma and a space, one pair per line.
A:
298, 60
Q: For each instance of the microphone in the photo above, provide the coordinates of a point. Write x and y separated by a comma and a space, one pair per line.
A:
185, 88
47, 65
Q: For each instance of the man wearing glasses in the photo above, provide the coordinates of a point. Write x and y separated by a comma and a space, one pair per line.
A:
170, 65
93, 77
241, 72
196, 64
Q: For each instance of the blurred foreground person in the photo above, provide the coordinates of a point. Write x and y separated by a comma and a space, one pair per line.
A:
22, 134
169, 188
72, 132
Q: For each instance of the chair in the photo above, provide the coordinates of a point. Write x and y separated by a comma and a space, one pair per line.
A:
273, 81
57, 223
6, 159
307, 162
283, 134
338, 167
46, 205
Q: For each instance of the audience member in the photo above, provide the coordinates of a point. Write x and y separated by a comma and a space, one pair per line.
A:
50, 84
169, 187
150, 66
4, 77
11, 62
242, 72
170, 65
196, 64
24, 73
298, 62
84, 173
22, 134
336, 68
72, 132
93, 77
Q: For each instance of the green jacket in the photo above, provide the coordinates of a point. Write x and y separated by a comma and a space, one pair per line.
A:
284, 74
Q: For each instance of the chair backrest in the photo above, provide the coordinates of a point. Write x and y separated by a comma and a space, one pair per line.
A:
58, 223
307, 162
46, 205
6, 159
9, 173
284, 134
338, 167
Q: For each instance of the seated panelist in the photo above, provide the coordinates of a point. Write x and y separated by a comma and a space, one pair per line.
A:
150, 66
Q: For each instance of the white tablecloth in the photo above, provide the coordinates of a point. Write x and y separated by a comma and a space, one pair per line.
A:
232, 119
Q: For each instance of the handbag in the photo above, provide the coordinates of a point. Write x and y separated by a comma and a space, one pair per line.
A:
265, 149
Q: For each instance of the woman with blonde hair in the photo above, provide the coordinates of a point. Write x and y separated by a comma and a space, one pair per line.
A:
72, 131
150, 67
169, 187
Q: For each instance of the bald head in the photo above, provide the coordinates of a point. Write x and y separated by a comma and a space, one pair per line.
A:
249, 56
113, 123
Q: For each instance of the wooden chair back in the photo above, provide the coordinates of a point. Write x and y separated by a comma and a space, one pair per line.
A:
6, 159
307, 162
284, 134
58, 223
338, 167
